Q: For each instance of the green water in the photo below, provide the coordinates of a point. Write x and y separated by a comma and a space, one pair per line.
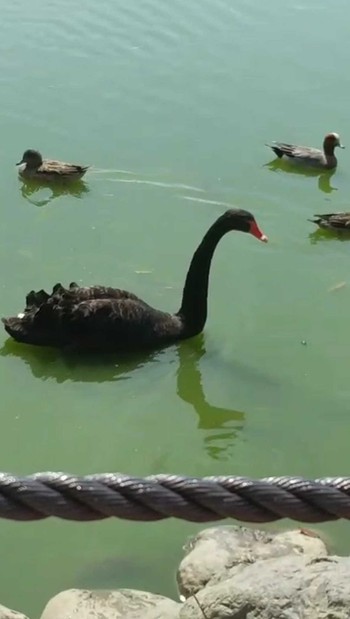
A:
172, 104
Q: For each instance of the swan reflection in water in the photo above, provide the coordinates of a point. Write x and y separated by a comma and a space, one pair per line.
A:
324, 176
32, 187
220, 426
77, 367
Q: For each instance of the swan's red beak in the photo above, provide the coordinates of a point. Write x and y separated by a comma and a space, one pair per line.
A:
255, 231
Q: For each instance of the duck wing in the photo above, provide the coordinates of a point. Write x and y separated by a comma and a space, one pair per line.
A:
61, 169
294, 151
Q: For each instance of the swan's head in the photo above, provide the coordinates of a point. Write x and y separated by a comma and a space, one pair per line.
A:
238, 219
32, 158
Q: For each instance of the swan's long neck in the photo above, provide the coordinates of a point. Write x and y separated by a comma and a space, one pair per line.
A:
194, 305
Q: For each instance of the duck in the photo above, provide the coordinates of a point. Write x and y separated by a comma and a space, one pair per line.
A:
104, 319
337, 222
309, 156
48, 170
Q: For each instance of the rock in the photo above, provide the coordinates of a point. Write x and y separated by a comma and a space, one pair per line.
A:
289, 587
104, 604
215, 551
7, 613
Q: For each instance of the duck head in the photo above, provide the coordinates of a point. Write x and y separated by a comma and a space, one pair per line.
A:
331, 141
32, 158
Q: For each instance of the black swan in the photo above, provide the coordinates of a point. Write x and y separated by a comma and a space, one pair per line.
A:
108, 319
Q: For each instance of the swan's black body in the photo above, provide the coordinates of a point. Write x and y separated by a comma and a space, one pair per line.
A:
109, 319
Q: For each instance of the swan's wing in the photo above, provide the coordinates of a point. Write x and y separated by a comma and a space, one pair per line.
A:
92, 318
112, 323
74, 294
77, 293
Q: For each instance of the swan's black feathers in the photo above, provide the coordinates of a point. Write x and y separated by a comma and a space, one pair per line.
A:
95, 318
36, 299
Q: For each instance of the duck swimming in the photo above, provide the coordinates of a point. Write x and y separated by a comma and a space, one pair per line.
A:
309, 156
337, 222
49, 169
108, 319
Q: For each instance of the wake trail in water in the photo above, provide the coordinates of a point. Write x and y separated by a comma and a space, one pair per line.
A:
111, 170
205, 201
139, 181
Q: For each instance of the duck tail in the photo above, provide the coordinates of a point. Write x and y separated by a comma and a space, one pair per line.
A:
323, 217
276, 150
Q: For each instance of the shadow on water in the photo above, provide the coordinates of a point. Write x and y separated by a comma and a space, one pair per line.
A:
321, 235
221, 425
74, 189
324, 176
47, 363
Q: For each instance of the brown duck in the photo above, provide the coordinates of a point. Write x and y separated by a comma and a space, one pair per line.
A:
309, 156
49, 169
337, 222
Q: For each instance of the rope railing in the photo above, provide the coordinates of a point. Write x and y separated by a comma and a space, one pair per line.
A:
156, 497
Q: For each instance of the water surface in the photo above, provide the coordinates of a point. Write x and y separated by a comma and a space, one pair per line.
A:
172, 104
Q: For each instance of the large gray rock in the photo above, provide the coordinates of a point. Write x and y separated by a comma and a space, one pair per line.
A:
289, 587
215, 551
7, 613
100, 604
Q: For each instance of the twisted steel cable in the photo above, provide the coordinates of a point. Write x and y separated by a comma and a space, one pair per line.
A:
156, 497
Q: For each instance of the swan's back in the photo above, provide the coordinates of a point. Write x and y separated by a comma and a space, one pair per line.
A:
96, 318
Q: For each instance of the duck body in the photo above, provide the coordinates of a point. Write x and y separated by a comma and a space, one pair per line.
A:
309, 156
101, 318
337, 222
48, 170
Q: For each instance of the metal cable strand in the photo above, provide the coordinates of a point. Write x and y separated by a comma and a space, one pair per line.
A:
94, 497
